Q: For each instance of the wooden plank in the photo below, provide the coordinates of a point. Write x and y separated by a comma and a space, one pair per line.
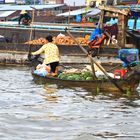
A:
101, 24
115, 10
121, 37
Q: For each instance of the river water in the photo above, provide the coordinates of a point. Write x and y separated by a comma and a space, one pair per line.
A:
44, 112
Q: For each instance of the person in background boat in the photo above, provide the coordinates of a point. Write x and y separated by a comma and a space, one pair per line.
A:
25, 18
51, 52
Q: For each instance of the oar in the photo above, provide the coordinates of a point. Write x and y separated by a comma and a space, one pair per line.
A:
29, 53
92, 68
97, 64
31, 32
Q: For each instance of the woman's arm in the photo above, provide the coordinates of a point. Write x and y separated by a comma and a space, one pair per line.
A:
41, 50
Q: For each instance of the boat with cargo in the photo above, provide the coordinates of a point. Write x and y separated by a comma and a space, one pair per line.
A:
99, 84
99, 79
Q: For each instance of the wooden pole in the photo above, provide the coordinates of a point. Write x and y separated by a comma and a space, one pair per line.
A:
97, 64
69, 17
93, 69
30, 38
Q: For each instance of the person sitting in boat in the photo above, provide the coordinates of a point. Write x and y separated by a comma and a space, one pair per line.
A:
25, 18
51, 52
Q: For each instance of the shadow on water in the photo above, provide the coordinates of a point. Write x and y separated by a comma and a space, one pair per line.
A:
51, 91
91, 93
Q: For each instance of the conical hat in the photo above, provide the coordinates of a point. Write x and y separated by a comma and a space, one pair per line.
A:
23, 12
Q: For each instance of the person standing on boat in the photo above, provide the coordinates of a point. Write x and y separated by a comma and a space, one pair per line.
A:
25, 18
51, 52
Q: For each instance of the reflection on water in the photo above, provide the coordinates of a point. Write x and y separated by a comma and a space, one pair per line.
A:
51, 93
46, 112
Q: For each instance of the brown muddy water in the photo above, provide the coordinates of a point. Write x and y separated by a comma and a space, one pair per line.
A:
36, 112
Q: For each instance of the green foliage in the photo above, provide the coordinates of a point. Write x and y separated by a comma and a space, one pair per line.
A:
89, 78
76, 76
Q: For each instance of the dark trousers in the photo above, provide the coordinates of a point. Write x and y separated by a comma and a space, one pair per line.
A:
53, 66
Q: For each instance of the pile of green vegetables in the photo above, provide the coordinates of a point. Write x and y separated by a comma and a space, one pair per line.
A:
76, 76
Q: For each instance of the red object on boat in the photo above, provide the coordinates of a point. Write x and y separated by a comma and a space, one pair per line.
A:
120, 72
97, 41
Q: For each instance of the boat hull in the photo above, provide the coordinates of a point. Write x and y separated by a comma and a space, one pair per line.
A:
92, 85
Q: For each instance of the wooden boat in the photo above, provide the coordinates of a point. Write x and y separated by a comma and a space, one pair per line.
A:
128, 84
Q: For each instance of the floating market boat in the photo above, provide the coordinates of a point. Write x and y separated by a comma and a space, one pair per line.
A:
128, 81
128, 84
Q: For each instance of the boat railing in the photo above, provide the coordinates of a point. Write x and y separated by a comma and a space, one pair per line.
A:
45, 26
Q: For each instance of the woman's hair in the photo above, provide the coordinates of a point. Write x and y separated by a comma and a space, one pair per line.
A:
49, 38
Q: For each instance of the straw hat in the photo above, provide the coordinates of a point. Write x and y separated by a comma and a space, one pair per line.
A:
23, 12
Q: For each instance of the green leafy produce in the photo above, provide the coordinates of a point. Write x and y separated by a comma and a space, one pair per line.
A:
70, 77
62, 76
86, 74
76, 76
89, 78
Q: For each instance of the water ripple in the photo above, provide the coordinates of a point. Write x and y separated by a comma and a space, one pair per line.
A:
45, 112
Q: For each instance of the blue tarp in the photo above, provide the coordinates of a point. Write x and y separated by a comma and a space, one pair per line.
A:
94, 33
131, 23
112, 21
129, 56
78, 18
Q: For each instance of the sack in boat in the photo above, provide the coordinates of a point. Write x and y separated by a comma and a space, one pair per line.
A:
96, 68
41, 72
43, 66
73, 70
101, 75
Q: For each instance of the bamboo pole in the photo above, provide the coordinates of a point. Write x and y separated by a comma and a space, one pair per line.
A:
92, 68
30, 37
97, 64
31, 32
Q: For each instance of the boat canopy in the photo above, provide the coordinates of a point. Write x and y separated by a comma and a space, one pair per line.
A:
76, 12
93, 13
29, 7
4, 14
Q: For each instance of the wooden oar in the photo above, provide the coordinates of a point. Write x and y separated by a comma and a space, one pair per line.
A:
97, 64
29, 53
92, 68
31, 32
